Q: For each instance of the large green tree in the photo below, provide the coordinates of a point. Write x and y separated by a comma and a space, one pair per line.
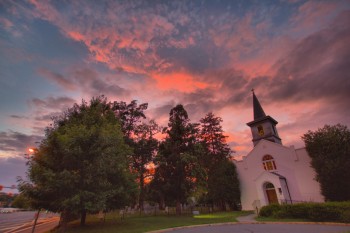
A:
222, 184
329, 149
177, 162
81, 166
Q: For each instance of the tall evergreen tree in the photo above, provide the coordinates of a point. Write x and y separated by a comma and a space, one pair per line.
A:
214, 141
222, 179
177, 161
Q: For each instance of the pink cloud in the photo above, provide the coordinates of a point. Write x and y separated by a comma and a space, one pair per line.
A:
314, 15
180, 81
57, 78
207, 68
6, 23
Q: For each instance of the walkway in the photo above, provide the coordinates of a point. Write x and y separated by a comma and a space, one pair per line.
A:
247, 219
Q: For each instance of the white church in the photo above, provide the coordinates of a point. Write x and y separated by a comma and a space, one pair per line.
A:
271, 172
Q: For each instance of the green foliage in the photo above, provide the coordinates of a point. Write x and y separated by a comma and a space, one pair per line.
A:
329, 149
129, 114
81, 166
177, 161
223, 184
318, 212
269, 210
140, 137
21, 202
6, 199
222, 178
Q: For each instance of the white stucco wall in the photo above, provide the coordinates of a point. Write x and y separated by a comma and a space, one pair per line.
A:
309, 188
292, 164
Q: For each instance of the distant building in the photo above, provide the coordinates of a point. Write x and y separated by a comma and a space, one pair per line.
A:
271, 172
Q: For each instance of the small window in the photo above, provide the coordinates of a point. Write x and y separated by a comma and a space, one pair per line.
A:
269, 163
261, 130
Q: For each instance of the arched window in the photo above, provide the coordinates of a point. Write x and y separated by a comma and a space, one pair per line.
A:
269, 163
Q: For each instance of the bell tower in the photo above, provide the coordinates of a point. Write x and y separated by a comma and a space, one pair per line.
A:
263, 127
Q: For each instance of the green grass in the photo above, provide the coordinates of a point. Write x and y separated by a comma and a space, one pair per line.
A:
135, 224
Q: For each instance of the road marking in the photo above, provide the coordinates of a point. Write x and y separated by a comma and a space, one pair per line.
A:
29, 225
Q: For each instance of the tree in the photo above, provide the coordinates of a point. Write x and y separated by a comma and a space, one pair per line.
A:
177, 162
21, 201
222, 182
329, 149
140, 137
130, 115
81, 165
145, 147
213, 140
223, 185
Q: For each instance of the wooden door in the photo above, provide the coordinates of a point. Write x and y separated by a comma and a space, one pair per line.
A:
271, 196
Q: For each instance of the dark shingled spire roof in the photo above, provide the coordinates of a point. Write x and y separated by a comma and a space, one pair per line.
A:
258, 110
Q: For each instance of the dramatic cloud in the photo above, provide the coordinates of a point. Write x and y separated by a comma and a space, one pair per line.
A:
206, 55
17, 142
57, 78
53, 103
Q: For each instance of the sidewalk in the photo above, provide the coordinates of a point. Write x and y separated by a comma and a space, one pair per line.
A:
247, 219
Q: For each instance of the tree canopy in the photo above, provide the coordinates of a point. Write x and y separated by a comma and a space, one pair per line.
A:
177, 162
329, 149
222, 184
81, 166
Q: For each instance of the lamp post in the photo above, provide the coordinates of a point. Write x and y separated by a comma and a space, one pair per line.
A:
28, 156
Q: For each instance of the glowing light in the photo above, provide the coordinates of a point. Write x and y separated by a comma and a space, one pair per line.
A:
31, 150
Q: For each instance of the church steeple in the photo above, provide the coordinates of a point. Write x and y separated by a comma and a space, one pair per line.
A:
262, 127
258, 110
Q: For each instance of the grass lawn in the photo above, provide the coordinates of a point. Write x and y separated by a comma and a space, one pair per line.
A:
134, 224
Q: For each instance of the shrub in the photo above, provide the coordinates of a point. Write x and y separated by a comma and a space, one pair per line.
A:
269, 210
319, 212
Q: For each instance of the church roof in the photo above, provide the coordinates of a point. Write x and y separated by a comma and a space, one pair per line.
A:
259, 114
258, 110
280, 176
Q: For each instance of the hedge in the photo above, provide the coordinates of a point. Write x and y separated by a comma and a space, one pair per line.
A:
318, 212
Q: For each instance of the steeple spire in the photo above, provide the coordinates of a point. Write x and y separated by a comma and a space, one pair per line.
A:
258, 110
262, 127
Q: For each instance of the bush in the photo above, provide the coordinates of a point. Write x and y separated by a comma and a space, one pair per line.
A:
269, 210
319, 212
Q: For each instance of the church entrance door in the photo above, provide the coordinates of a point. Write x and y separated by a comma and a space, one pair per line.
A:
271, 193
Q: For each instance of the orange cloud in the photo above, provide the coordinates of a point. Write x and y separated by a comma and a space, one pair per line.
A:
178, 81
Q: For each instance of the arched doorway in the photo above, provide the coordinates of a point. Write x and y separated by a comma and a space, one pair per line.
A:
270, 193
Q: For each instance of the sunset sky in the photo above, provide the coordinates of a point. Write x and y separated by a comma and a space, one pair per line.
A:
206, 55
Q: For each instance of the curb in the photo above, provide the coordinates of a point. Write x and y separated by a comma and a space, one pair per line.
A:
237, 223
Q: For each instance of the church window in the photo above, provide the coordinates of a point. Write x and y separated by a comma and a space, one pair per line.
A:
269, 163
260, 130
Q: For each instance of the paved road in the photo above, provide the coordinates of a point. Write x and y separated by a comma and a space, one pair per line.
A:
13, 222
265, 228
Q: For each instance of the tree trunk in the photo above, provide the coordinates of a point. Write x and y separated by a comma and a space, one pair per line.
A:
64, 219
35, 220
162, 203
178, 207
83, 217
141, 198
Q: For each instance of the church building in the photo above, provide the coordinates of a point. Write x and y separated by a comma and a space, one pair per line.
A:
271, 172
